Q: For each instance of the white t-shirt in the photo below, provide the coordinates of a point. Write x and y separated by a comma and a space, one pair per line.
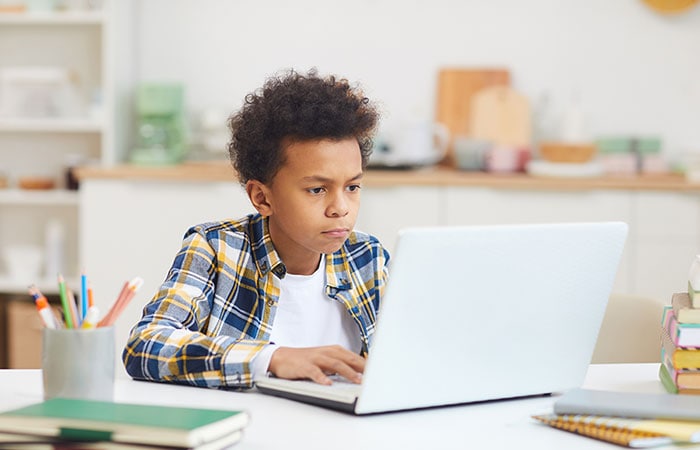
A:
307, 317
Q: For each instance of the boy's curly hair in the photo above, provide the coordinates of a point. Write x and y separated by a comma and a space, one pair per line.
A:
296, 107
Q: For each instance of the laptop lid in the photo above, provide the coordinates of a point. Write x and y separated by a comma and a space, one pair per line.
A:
480, 313
489, 312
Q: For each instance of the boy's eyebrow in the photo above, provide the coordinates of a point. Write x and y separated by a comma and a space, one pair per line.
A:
322, 179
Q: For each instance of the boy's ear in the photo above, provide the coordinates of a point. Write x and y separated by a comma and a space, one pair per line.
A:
258, 194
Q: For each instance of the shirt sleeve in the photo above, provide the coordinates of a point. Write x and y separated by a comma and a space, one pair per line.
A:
261, 361
169, 342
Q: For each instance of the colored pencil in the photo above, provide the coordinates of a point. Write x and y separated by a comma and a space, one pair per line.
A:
91, 301
64, 302
83, 296
77, 320
125, 295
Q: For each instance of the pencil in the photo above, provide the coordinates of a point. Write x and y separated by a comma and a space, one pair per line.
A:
127, 293
73, 309
83, 296
64, 302
107, 319
134, 285
91, 301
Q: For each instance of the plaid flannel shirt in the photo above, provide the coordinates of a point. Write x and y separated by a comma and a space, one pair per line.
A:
214, 312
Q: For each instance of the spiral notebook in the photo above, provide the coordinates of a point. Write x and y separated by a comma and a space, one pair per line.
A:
629, 432
468, 312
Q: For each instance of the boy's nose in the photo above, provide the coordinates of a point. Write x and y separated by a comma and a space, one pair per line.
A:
338, 207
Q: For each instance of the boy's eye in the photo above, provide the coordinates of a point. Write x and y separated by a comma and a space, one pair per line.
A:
315, 190
354, 187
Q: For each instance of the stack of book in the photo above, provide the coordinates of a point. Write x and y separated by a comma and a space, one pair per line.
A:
628, 419
97, 425
680, 343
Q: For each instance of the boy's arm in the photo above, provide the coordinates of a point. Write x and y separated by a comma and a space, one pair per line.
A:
168, 344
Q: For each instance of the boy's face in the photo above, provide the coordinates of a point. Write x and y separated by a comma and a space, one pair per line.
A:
313, 200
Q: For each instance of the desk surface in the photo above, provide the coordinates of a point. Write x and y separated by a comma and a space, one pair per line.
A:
284, 424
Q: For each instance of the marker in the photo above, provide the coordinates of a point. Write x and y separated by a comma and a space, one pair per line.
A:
91, 318
45, 312
42, 306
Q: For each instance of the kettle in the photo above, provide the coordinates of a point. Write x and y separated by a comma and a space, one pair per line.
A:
410, 145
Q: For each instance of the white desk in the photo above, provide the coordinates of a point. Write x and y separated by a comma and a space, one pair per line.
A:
284, 424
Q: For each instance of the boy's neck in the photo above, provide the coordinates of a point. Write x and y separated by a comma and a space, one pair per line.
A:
307, 266
298, 260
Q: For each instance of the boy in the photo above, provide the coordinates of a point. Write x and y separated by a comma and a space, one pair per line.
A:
291, 290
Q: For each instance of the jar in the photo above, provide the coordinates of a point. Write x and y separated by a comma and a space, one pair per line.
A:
694, 274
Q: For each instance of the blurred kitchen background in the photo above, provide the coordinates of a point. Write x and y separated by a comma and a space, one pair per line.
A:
481, 101
627, 69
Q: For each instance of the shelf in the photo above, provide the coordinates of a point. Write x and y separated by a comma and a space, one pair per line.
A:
53, 18
60, 197
47, 286
50, 125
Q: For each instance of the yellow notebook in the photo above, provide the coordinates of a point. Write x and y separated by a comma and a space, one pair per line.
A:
634, 433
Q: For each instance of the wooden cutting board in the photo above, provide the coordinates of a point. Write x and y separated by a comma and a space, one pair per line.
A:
456, 87
501, 115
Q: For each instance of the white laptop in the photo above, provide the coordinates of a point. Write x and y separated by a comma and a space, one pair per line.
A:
480, 313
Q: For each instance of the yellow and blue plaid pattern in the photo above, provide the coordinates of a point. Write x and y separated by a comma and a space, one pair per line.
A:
216, 308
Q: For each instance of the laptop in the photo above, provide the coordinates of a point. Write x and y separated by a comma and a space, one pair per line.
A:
480, 313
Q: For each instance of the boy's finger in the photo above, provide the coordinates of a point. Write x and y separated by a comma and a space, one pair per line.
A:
319, 377
339, 367
353, 360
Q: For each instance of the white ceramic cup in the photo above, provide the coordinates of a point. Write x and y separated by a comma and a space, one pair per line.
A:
419, 143
23, 262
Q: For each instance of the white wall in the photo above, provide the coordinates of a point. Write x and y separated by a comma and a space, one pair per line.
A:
635, 70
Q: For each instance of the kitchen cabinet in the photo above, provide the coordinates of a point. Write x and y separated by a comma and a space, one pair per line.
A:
23, 335
41, 137
384, 211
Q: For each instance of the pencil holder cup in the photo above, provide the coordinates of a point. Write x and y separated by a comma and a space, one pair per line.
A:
78, 363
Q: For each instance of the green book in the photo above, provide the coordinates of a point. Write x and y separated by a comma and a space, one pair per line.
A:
667, 380
89, 420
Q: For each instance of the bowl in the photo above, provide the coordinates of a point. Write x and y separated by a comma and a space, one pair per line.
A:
36, 182
564, 152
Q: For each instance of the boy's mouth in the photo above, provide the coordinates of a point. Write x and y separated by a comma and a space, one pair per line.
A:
337, 232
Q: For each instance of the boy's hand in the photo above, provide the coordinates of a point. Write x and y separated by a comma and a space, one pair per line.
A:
315, 362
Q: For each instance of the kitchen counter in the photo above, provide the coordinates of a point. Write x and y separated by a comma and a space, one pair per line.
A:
222, 171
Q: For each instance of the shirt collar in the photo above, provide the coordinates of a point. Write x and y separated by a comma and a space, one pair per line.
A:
266, 257
338, 270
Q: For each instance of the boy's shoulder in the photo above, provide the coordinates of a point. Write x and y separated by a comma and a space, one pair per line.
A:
364, 251
358, 240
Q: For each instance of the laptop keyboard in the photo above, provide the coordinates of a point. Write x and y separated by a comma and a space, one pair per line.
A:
340, 384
